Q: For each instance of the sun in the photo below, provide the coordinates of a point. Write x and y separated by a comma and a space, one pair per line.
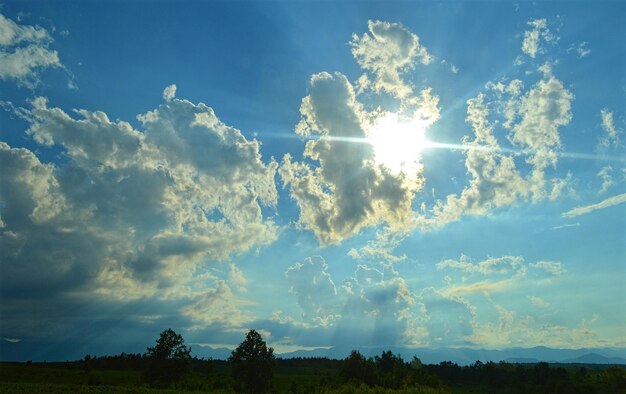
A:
398, 143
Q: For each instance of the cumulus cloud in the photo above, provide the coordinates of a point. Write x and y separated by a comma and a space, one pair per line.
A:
448, 319
386, 52
24, 52
488, 295
374, 306
611, 137
217, 306
315, 290
169, 92
513, 328
344, 186
379, 300
533, 38
583, 210
533, 117
131, 212
347, 190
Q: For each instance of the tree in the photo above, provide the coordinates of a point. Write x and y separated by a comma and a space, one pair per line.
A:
357, 367
169, 359
253, 363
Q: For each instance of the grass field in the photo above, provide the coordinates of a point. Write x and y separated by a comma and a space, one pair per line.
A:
289, 377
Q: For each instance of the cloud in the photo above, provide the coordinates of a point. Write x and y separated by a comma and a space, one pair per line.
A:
315, 290
500, 265
347, 190
609, 202
533, 118
24, 52
611, 137
554, 268
448, 319
373, 307
492, 275
237, 278
514, 328
378, 299
131, 213
343, 186
11, 340
380, 250
538, 302
607, 179
532, 38
386, 52
582, 50
217, 306
169, 92
566, 226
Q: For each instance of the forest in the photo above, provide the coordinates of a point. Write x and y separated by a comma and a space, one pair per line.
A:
168, 367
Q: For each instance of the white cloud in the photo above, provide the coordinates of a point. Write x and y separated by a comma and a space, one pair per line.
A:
566, 226
345, 184
554, 268
388, 51
532, 38
217, 306
169, 92
24, 52
607, 179
533, 117
379, 250
12, 34
609, 202
539, 302
237, 278
347, 190
132, 212
491, 265
11, 340
315, 290
582, 50
447, 319
374, 306
611, 137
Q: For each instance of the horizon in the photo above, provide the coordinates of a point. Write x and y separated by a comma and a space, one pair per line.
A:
433, 175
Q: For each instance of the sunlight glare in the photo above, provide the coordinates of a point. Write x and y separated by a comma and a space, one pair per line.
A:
398, 144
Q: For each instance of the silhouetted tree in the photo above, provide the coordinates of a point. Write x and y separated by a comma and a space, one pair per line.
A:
253, 363
391, 369
357, 367
169, 359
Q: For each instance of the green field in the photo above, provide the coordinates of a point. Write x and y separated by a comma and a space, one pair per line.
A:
315, 375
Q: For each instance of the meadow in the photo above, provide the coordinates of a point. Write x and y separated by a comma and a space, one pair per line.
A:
315, 375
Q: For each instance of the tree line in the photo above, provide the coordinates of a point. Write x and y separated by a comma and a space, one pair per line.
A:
253, 364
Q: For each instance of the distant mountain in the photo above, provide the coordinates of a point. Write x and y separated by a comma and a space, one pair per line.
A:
466, 356
209, 352
521, 360
594, 358
40, 351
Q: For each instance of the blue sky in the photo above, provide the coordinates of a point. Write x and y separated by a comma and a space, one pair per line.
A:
414, 174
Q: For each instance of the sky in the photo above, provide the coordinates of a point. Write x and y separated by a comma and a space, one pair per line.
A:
357, 174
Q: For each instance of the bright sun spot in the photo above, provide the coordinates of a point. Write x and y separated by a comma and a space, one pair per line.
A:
398, 144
